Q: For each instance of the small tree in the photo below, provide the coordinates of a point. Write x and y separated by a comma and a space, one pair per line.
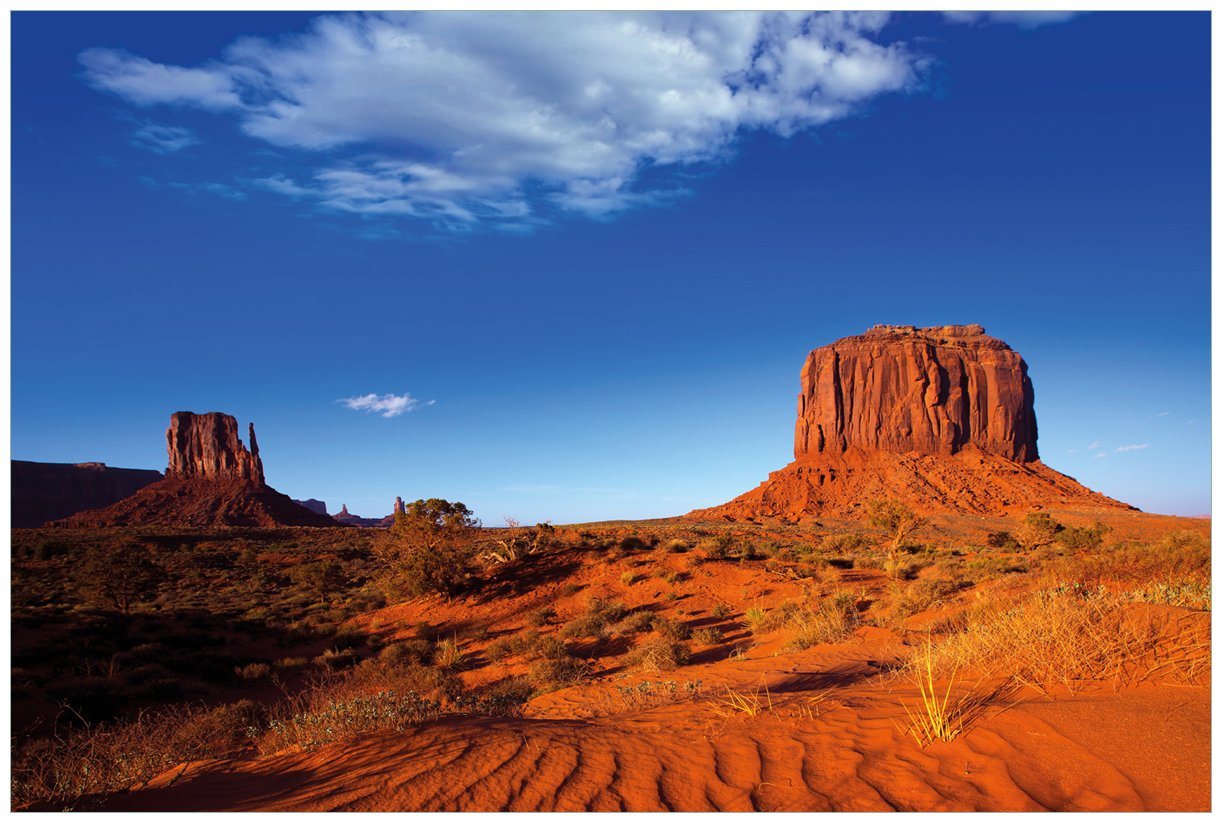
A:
120, 576
431, 548
898, 522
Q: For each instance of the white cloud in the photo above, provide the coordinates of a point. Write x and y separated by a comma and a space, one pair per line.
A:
1101, 454
1093, 446
146, 83
387, 405
463, 118
163, 139
1164, 414
1022, 19
1132, 447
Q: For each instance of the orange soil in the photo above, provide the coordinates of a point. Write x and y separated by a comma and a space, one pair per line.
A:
833, 734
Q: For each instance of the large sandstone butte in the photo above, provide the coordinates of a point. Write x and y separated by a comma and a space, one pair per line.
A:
212, 480
942, 418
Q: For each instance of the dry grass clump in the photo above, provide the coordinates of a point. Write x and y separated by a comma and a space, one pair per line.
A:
661, 654
594, 622
449, 655
831, 620
93, 761
1065, 636
634, 623
1177, 557
552, 673
647, 694
745, 704
380, 694
708, 636
936, 717
924, 595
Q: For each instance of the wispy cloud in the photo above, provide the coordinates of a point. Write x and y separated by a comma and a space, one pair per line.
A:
1132, 447
161, 139
219, 189
1094, 445
1022, 19
387, 405
1164, 414
1101, 454
484, 118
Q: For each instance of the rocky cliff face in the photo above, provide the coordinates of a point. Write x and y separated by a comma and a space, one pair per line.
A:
941, 418
207, 446
906, 390
49, 491
316, 506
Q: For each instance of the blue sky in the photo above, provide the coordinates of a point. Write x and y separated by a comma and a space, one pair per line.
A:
579, 260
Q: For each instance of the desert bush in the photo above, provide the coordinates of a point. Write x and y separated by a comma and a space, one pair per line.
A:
716, 547
628, 578
845, 543
599, 614
540, 617
924, 595
676, 546
417, 651
1002, 540
253, 671
1083, 537
502, 699
634, 623
831, 620
721, 611
321, 577
632, 543
553, 673
1037, 531
708, 636
659, 654
670, 629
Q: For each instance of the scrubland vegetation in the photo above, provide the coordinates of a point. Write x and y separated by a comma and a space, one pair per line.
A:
137, 651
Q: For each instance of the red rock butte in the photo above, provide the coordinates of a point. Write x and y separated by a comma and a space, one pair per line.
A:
942, 418
212, 480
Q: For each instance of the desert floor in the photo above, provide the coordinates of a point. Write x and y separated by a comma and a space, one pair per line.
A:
651, 666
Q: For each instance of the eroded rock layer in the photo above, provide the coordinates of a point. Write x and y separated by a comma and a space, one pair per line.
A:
903, 389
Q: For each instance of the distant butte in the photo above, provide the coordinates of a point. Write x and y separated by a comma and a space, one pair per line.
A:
941, 418
212, 480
